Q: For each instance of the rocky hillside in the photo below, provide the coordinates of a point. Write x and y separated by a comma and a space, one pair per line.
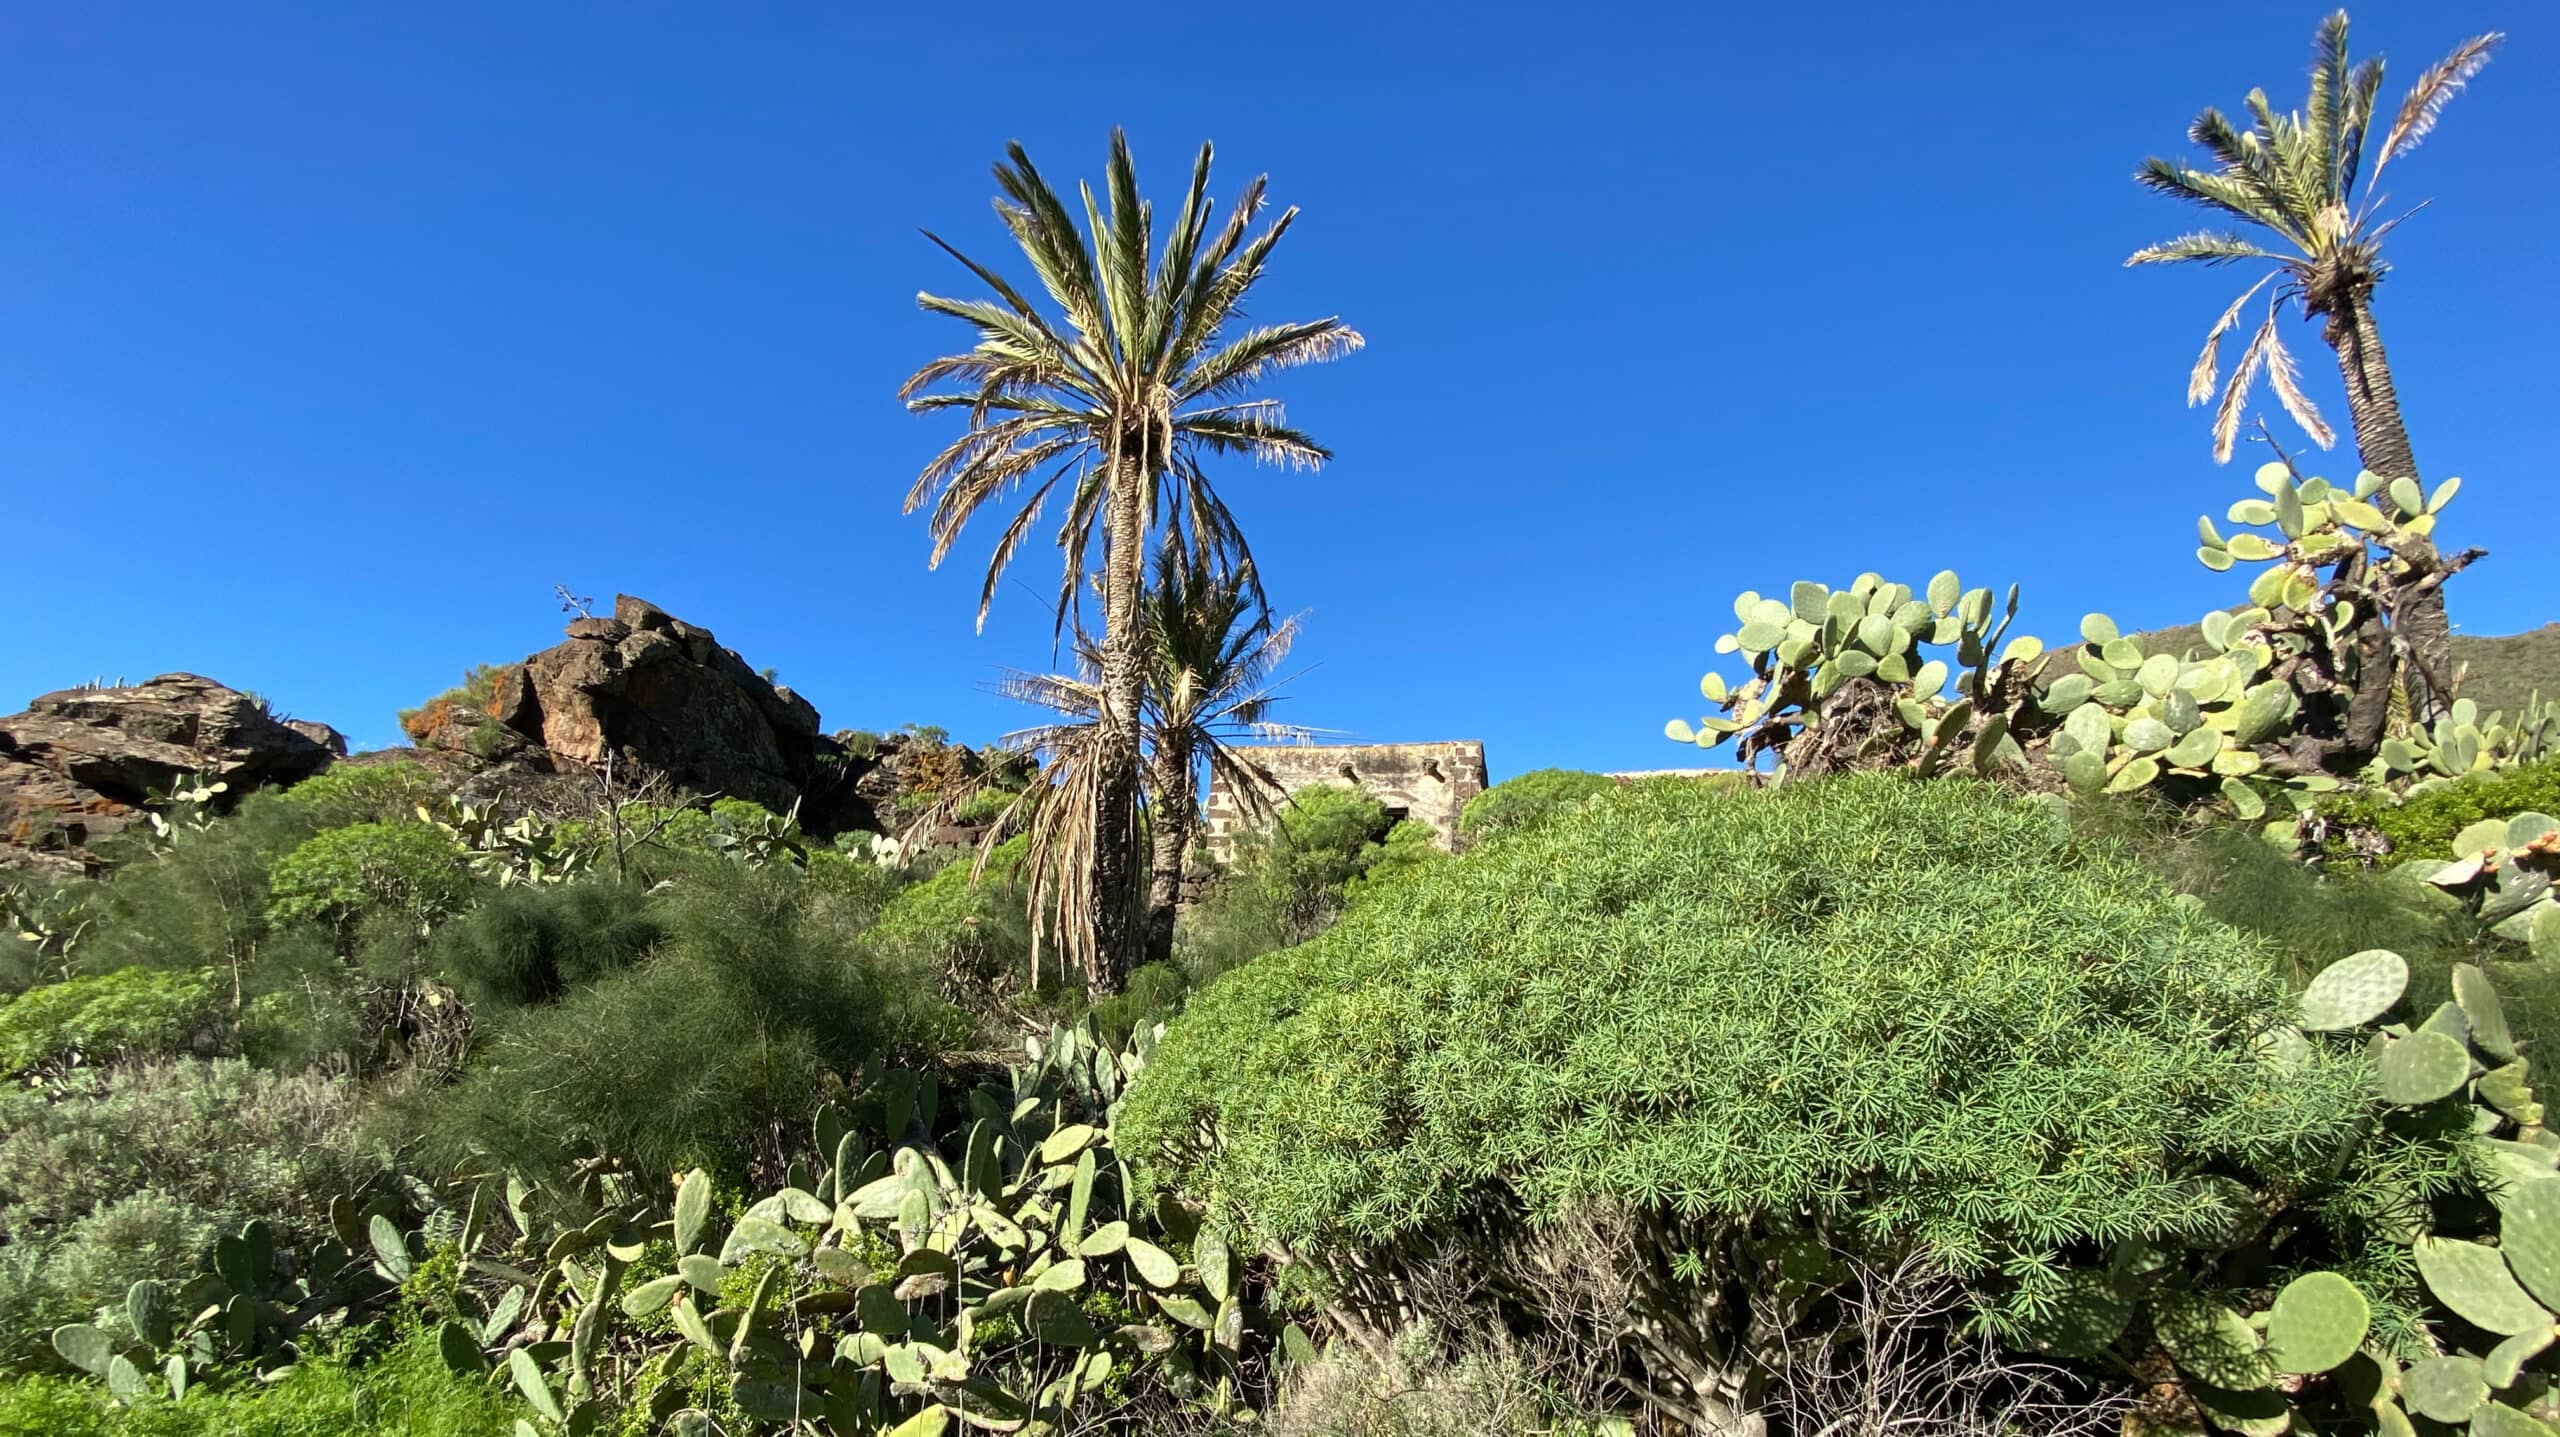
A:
641, 701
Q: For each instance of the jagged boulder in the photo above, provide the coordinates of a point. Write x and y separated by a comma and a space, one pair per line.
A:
654, 695
79, 764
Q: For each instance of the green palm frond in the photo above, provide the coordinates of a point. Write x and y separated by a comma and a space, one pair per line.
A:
2202, 247
1109, 383
2238, 194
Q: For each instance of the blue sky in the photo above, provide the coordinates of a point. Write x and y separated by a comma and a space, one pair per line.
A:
331, 337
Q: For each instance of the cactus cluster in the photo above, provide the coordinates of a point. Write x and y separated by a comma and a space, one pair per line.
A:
2220, 724
890, 1287
247, 1306
2466, 740
1805, 648
526, 849
2131, 720
2505, 866
2312, 1358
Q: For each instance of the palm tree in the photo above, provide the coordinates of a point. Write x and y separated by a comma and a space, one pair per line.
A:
1212, 680
2294, 179
1124, 395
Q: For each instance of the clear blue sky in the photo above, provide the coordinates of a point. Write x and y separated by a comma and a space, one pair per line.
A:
332, 336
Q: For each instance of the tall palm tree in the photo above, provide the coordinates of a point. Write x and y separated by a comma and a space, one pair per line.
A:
2293, 177
1121, 398
1212, 681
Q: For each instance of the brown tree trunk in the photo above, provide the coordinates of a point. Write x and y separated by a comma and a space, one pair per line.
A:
2382, 445
1117, 937
1174, 811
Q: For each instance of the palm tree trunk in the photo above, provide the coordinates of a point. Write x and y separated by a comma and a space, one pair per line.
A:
2382, 444
1173, 811
1114, 915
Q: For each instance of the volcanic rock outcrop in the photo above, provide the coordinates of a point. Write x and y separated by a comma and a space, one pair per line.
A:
78, 765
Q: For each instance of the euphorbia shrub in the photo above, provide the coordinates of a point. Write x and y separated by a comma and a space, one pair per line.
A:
1751, 1034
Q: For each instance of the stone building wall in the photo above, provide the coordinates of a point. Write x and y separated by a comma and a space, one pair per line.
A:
1427, 782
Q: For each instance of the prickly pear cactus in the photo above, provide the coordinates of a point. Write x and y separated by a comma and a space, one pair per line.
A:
1003, 1282
2505, 866
2314, 1358
1816, 650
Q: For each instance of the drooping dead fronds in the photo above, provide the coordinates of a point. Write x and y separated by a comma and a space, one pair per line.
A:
2293, 177
2435, 89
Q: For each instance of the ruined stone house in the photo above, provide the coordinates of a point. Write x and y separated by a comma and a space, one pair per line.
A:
1429, 783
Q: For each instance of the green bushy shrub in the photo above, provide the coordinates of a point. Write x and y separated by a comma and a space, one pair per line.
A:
220, 1136
856, 888
2424, 825
405, 872
132, 1011
984, 806
351, 793
711, 1050
977, 933
1529, 799
199, 902
81, 1271
1294, 877
1870, 1013
533, 943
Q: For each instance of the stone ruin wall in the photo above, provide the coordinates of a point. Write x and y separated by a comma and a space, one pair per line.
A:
1427, 782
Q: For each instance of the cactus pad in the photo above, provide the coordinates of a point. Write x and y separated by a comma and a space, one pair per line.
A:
2473, 1280
2317, 1322
2498, 1420
2448, 1389
2354, 990
2529, 1234
693, 1204
2422, 1067
84, 1347
2480, 1004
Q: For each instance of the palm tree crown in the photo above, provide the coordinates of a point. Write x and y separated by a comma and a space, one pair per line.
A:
1135, 380
2294, 177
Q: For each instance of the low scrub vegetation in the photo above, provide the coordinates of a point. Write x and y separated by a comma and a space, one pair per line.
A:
2118, 1033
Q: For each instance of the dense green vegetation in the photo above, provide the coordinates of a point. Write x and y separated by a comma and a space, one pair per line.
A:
2128, 1033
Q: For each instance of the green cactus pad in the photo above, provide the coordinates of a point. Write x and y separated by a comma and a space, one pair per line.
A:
1156, 1267
693, 1205
84, 1347
528, 1379
2495, 1419
2473, 1280
147, 1306
2448, 1020
459, 1349
2213, 1343
2448, 1389
2354, 991
755, 1234
648, 1297
2508, 1090
2529, 1235
2506, 1361
2317, 1322
2480, 1004
2422, 1067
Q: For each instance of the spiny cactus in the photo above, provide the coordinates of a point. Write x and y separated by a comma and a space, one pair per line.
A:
2312, 1355
2505, 867
1002, 1281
